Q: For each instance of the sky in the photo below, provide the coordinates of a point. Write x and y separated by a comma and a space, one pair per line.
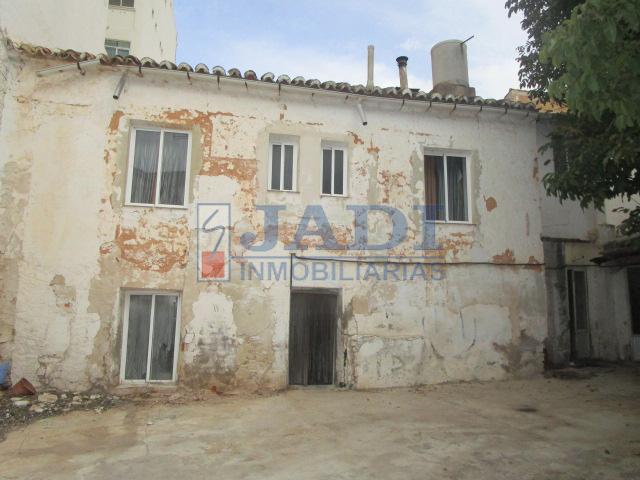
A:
328, 40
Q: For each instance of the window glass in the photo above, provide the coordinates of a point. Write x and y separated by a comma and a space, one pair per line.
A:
282, 168
150, 316
276, 153
326, 171
121, 3
174, 168
434, 187
457, 187
117, 47
164, 337
145, 166
580, 286
148, 161
339, 172
560, 158
288, 168
138, 337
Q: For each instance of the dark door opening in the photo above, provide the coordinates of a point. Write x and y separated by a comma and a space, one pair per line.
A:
578, 314
633, 275
312, 338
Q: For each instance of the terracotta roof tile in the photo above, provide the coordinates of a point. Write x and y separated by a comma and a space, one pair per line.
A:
390, 92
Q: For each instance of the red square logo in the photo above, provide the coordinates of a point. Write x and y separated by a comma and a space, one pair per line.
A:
213, 265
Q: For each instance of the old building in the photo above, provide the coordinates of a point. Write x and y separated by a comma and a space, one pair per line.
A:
478, 312
145, 28
410, 244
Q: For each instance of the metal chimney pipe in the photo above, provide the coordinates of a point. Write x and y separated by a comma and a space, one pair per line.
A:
370, 67
402, 70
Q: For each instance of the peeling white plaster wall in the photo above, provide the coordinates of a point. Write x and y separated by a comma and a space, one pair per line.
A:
82, 247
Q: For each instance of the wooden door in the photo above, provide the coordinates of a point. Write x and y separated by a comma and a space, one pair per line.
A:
312, 338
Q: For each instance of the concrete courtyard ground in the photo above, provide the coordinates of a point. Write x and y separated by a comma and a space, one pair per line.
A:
539, 428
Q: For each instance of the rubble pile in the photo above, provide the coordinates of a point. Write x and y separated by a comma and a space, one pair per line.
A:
20, 410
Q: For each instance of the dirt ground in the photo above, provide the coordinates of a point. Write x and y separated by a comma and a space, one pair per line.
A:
540, 428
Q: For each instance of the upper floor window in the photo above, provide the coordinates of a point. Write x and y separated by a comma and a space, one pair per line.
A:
121, 3
158, 167
117, 47
560, 158
283, 159
334, 170
446, 188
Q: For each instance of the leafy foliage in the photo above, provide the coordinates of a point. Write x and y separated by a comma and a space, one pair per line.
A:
598, 52
603, 163
540, 17
586, 56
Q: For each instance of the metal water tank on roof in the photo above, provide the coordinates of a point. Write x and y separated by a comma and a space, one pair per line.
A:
449, 68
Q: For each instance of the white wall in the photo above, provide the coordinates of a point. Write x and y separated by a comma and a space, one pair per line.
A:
83, 25
67, 24
78, 246
149, 26
567, 219
564, 219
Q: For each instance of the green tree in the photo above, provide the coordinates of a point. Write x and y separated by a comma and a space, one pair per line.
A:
585, 55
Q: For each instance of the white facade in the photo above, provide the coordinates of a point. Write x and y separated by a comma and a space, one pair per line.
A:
84, 25
149, 26
76, 249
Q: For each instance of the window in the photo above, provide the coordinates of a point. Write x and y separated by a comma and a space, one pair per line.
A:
560, 158
150, 337
121, 3
446, 188
282, 165
334, 170
117, 47
158, 167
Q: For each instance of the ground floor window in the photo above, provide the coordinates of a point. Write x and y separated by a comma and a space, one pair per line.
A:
634, 297
150, 337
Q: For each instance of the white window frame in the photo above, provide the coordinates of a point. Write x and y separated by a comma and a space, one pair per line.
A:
125, 331
345, 168
117, 48
284, 140
132, 151
467, 165
122, 6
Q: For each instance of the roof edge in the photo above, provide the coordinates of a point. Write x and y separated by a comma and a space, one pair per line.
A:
217, 71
